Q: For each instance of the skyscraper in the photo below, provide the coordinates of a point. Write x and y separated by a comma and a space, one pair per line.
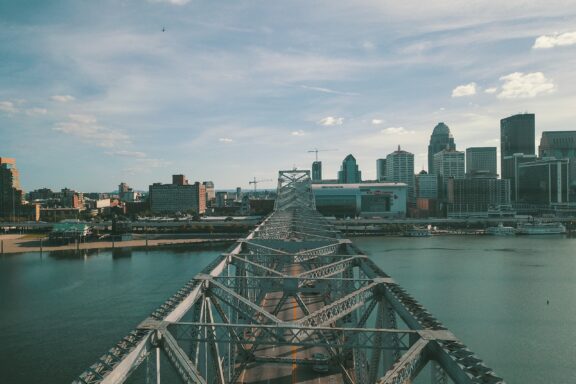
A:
349, 172
381, 170
481, 161
558, 144
210, 191
317, 171
440, 139
400, 169
544, 182
449, 163
510, 166
10, 190
561, 145
516, 136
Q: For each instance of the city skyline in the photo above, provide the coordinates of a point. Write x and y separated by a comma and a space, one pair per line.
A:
95, 94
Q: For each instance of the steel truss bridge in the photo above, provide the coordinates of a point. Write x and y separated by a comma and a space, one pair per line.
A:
293, 302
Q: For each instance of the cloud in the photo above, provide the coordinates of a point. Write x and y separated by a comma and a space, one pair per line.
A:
8, 107
130, 154
173, 2
331, 120
491, 90
297, 133
377, 121
328, 90
397, 131
555, 40
225, 140
36, 111
63, 98
518, 85
368, 45
86, 128
464, 90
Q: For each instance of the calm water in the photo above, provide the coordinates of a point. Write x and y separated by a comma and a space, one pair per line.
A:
58, 314
491, 292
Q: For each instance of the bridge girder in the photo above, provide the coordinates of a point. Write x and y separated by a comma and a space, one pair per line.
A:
296, 284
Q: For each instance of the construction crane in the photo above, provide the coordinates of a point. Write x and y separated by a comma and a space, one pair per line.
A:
255, 182
316, 150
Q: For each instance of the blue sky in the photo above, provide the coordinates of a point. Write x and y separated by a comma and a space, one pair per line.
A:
93, 93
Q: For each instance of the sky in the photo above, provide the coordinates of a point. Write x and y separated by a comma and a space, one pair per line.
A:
94, 93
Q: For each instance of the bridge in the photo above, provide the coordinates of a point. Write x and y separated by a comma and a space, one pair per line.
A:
293, 302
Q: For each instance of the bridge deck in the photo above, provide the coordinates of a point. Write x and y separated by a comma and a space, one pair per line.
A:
293, 302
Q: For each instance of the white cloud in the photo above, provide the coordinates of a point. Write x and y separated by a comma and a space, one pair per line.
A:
368, 45
397, 131
464, 90
82, 119
173, 2
377, 121
328, 90
555, 40
491, 90
131, 154
63, 98
86, 128
8, 107
298, 133
331, 120
225, 140
36, 111
518, 85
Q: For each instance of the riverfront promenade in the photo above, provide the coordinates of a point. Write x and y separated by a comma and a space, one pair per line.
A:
16, 243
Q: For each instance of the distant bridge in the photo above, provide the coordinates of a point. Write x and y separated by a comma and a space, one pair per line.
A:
293, 302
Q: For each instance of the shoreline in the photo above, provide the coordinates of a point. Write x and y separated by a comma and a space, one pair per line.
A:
12, 244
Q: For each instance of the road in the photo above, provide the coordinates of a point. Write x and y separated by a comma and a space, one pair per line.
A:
263, 373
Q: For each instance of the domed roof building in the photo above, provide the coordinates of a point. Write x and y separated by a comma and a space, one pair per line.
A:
440, 139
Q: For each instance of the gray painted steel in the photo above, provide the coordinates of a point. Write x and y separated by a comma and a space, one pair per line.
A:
293, 300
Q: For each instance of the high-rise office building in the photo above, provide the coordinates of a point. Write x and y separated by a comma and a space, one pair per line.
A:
221, 198
349, 172
517, 135
426, 186
177, 197
481, 161
449, 163
317, 171
400, 169
544, 182
510, 166
558, 144
561, 145
440, 139
474, 197
381, 170
10, 191
210, 191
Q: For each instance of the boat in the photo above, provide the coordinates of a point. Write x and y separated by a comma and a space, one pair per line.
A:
541, 229
500, 230
418, 232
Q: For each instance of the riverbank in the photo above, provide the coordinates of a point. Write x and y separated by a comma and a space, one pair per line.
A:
16, 243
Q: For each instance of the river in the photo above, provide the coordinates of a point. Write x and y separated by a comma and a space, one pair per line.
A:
59, 313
